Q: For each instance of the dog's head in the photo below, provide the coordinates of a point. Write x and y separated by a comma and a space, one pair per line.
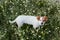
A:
42, 19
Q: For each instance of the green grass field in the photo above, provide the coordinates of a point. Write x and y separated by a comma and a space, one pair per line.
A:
10, 9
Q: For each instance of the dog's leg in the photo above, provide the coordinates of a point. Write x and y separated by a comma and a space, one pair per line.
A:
19, 24
34, 26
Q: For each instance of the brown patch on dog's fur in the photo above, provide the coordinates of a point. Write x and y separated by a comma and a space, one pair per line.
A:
45, 18
38, 18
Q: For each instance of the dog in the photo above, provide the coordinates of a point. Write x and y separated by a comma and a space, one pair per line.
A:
36, 21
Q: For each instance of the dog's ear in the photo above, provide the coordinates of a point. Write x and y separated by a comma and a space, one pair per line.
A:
38, 18
45, 18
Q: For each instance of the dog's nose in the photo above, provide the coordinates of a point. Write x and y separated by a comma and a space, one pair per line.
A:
42, 23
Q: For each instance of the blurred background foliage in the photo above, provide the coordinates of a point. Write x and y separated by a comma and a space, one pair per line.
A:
10, 9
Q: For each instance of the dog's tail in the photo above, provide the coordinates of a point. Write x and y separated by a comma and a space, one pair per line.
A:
11, 21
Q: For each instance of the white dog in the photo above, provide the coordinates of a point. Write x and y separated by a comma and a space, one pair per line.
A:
36, 21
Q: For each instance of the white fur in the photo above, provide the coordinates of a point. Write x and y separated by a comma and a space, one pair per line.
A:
32, 20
